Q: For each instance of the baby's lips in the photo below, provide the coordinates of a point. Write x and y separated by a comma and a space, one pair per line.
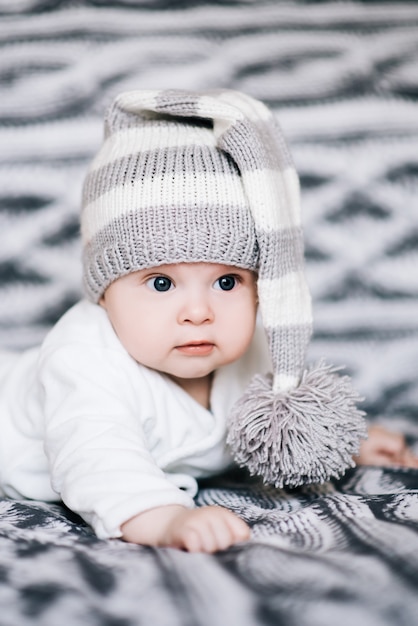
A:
196, 348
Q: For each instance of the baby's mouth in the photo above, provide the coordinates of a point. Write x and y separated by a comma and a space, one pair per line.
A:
196, 348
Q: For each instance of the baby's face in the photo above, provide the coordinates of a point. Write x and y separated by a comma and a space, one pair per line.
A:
185, 320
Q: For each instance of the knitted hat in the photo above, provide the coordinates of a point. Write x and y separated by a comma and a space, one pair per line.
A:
189, 177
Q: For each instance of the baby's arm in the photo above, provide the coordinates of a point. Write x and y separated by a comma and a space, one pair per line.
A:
383, 447
205, 529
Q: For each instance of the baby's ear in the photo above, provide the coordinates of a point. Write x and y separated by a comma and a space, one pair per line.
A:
102, 302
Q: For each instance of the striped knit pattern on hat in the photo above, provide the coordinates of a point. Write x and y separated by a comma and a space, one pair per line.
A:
160, 191
297, 425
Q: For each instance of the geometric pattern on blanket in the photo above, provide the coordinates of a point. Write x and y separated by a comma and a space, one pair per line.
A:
339, 554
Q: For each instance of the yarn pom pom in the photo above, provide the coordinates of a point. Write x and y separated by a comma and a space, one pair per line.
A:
305, 435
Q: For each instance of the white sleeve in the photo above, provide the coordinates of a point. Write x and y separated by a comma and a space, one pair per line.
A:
99, 461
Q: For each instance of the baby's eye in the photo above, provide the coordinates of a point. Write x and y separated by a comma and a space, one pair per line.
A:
160, 283
226, 283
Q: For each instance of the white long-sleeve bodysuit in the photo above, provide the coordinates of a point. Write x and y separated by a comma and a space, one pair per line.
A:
82, 421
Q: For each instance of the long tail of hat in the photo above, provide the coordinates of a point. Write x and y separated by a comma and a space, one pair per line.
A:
297, 425
247, 130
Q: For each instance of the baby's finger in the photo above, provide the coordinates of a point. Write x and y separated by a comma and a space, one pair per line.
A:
207, 535
409, 459
222, 533
194, 540
381, 460
226, 528
387, 441
240, 529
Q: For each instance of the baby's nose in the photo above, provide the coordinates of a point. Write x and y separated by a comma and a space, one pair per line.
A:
196, 310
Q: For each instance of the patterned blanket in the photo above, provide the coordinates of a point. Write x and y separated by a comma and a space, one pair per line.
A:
342, 78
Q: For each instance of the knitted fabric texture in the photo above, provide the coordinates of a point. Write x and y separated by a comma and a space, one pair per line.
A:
187, 177
159, 191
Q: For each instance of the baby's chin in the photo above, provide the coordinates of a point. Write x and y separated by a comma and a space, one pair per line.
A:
182, 376
192, 368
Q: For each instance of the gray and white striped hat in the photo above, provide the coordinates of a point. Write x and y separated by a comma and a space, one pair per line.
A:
189, 177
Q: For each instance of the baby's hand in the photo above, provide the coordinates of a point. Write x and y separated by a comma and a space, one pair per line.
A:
384, 447
205, 529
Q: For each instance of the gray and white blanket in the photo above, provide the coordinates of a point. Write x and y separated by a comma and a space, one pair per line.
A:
342, 78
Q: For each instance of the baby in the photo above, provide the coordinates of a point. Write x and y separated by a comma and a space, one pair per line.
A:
194, 282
